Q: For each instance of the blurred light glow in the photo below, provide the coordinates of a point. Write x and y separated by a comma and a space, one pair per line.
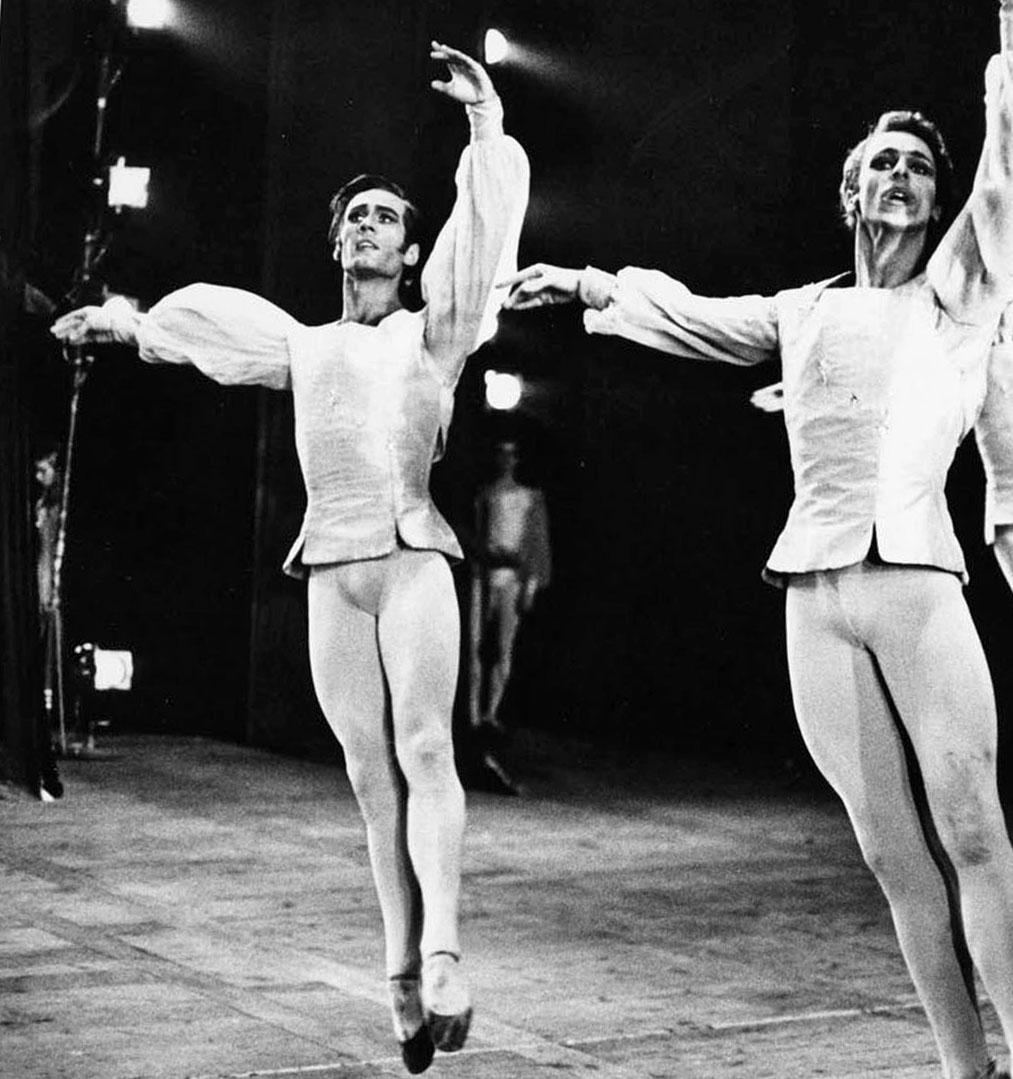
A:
497, 48
149, 14
503, 391
128, 185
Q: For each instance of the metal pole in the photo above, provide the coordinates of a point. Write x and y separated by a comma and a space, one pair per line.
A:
82, 363
82, 292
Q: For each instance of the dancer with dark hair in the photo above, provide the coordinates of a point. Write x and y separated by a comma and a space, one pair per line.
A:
373, 401
884, 372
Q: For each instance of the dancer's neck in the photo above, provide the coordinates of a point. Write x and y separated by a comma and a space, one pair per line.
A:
886, 257
368, 300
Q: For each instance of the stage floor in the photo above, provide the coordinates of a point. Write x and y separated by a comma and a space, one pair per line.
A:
198, 909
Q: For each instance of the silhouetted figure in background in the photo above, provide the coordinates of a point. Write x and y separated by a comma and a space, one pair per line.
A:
512, 564
47, 529
47, 526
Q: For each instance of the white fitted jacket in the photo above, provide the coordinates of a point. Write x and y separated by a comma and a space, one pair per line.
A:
372, 403
880, 385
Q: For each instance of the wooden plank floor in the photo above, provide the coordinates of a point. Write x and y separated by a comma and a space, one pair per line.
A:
194, 909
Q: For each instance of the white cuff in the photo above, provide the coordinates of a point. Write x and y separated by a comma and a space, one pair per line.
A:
486, 118
595, 288
124, 320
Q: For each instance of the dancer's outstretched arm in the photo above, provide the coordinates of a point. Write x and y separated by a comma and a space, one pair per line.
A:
232, 336
114, 322
655, 310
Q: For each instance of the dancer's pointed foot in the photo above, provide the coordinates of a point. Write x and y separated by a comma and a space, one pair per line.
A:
445, 1000
409, 1023
418, 1051
490, 724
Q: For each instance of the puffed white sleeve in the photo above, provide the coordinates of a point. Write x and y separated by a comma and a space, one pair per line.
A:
653, 309
232, 336
478, 244
971, 270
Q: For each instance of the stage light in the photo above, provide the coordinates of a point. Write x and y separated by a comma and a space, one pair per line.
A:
502, 390
497, 48
104, 668
128, 185
149, 14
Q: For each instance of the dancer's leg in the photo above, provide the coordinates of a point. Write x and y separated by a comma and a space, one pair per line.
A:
848, 724
419, 635
934, 664
505, 599
419, 630
476, 629
349, 682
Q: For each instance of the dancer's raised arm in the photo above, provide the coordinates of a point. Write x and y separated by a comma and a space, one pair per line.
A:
478, 243
971, 269
994, 435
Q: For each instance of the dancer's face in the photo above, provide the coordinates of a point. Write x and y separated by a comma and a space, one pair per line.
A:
45, 472
897, 182
371, 241
506, 458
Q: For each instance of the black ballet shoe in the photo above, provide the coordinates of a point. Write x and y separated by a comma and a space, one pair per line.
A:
418, 1051
448, 1031
406, 1008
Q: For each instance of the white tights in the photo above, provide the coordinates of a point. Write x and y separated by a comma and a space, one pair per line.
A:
384, 638
873, 649
495, 602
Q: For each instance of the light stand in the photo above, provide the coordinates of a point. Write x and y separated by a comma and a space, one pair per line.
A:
84, 289
54, 645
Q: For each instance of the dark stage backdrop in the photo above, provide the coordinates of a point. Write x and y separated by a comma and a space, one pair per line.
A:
25, 756
161, 513
704, 139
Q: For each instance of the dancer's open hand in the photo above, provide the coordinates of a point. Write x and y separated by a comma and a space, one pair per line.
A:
468, 82
540, 284
92, 325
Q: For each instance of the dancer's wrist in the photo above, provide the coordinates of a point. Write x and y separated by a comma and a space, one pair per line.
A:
595, 288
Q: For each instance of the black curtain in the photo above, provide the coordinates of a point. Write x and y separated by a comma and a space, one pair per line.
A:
25, 748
